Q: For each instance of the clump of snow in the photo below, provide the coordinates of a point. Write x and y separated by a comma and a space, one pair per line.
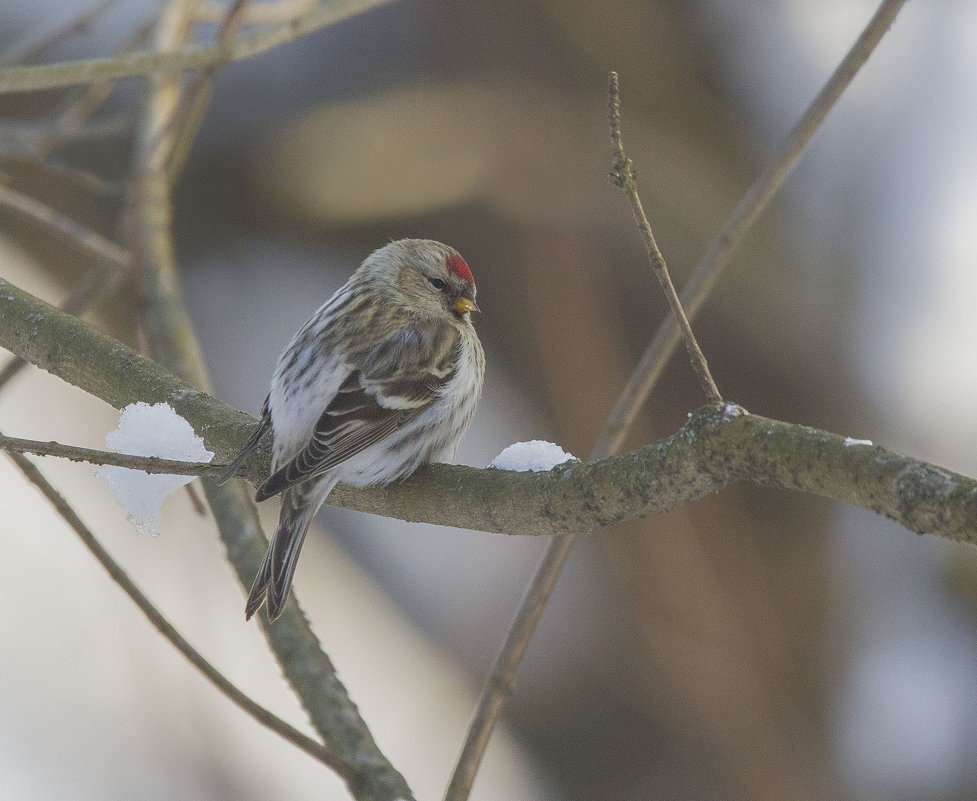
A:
536, 455
146, 430
733, 410
849, 441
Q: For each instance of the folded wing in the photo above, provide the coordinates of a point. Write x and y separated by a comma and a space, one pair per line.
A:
391, 384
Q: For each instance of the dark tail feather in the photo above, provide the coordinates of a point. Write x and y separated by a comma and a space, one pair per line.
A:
272, 584
252, 443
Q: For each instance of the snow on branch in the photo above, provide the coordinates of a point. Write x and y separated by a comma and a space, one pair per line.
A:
717, 446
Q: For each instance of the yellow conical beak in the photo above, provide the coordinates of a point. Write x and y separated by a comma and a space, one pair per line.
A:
464, 306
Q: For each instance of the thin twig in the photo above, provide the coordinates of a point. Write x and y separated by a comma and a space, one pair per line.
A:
257, 13
623, 175
32, 46
69, 177
71, 122
94, 284
499, 684
86, 239
149, 464
37, 138
502, 676
163, 626
731, 235
189, 112
72, 73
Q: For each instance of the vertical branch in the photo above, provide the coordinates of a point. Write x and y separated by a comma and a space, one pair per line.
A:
367, 772
498, 686
730, 236
623, 175
188, 116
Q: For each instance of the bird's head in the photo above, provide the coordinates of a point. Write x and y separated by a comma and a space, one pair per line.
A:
432, 278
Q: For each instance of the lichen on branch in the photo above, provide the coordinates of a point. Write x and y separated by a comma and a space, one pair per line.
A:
717, 446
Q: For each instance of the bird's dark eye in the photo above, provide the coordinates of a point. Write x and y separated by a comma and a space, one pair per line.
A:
437, 283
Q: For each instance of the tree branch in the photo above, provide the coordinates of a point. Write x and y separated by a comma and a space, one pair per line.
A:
750, 207
31, 46
716, 447
148, 464
367, 772
623, 176
105, 250
635, 392
163, 626
51, 76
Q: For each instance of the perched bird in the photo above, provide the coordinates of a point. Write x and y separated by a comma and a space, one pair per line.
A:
383, 378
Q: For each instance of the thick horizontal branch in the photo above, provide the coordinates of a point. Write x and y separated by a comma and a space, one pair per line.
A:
104, 367
51, 76
716, 447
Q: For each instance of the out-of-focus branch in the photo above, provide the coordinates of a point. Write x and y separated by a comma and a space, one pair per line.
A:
51, 76
32, 46
256, 13
116, 256
730, 236
163, 626
632, 398
189, 113
366, 771
96, 283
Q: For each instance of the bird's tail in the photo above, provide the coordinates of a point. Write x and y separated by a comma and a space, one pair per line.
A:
274, 579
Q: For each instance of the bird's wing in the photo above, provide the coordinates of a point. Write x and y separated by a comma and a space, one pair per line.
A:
251, 444
392, 383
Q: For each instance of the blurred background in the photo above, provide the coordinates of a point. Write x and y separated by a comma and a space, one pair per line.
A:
756, 645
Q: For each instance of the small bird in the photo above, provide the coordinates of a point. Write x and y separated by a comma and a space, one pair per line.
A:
383, 378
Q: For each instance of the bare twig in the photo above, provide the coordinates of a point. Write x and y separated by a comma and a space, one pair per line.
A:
34, 45
367, 772
756, 199
622, 174
257, 13
70, 178
164, 627
189, 112
51, 76
94, 284
150, 464
499, 684
37, 138
501, 678
86, 239
72, 121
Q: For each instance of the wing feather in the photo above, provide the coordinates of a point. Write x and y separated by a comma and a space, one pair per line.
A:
392, 386
263, 426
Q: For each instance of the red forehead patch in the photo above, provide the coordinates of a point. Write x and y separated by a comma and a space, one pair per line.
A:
456, 264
